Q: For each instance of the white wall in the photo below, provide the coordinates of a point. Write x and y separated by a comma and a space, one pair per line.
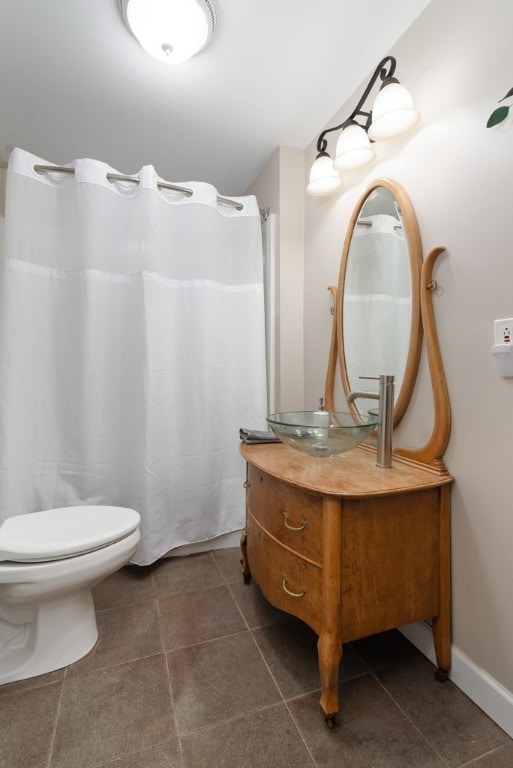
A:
280, 187
457, 61
3, 179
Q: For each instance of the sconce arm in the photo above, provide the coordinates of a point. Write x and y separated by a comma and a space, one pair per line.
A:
384, 71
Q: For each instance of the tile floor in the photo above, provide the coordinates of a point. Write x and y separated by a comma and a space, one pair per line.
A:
193, 669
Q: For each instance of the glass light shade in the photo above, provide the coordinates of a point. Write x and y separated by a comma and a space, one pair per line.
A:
353, 149
170, 30
324, 178
393, 113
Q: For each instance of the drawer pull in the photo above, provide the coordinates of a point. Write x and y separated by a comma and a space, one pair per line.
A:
291, 527
292, 594
245, 484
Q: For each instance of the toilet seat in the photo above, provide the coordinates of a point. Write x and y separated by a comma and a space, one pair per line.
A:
65, 532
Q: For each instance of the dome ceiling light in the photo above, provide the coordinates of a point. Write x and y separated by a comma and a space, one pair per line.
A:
171, 31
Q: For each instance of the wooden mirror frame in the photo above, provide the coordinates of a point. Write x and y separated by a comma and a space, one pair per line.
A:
422, 326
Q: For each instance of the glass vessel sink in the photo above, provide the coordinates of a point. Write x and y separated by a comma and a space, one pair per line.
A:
321, 433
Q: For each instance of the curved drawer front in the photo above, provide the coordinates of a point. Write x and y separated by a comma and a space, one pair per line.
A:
291, 516
287, 581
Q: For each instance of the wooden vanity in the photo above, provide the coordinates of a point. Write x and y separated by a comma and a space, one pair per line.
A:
350, 548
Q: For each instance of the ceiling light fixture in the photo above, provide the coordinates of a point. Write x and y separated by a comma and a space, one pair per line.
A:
170, 30
392, 115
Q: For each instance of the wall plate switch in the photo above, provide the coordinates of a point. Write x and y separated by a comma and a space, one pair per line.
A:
504, 331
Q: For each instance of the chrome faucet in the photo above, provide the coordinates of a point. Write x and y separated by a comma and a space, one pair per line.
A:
386, 415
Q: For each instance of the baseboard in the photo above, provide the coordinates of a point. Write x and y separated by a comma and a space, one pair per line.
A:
478, 685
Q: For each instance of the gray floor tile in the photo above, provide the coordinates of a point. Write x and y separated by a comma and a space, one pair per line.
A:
256, 610
499, 758
167, 755
384, 649
372, 731
124, 634
27, 723
31, 682
228, 562
128, 585
112, 713
290, 650
217, 680
265, 739
450, 721
193, 617
117, 711
184, 574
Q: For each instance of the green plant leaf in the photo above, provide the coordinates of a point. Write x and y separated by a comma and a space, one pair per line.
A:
497, 116
509, 93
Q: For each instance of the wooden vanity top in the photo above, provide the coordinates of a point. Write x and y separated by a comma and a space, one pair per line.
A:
351, 475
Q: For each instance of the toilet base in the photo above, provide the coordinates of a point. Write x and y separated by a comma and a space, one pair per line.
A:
47, 617
61, 630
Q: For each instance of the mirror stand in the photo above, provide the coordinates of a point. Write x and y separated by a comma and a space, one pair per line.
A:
432, 452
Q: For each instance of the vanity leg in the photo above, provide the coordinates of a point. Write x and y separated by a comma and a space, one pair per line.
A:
329, 645
330, 653
442, 622
244, 565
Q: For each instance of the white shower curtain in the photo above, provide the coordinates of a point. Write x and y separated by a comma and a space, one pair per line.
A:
131, 349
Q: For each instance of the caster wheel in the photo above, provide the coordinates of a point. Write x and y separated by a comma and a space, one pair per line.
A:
247, 579
331, 721
442, 675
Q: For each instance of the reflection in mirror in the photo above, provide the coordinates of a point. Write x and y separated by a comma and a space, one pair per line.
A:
379, 322
377, 295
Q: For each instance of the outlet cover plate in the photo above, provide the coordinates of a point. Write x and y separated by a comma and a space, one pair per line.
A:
504, 331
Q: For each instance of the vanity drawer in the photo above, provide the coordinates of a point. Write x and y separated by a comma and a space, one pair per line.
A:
289, 582
290, 515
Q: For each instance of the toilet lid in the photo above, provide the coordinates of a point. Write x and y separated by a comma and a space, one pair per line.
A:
64, 532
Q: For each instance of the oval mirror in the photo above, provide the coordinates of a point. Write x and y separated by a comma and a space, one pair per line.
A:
378, 308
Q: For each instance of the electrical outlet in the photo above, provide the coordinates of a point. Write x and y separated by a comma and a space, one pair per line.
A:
504, 331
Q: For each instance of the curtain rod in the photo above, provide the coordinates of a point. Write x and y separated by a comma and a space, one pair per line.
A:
134, 180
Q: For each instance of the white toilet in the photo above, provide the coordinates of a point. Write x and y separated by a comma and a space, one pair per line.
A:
49, 563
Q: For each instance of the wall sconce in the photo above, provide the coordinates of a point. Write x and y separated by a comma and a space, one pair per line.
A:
170, 30
392, 115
